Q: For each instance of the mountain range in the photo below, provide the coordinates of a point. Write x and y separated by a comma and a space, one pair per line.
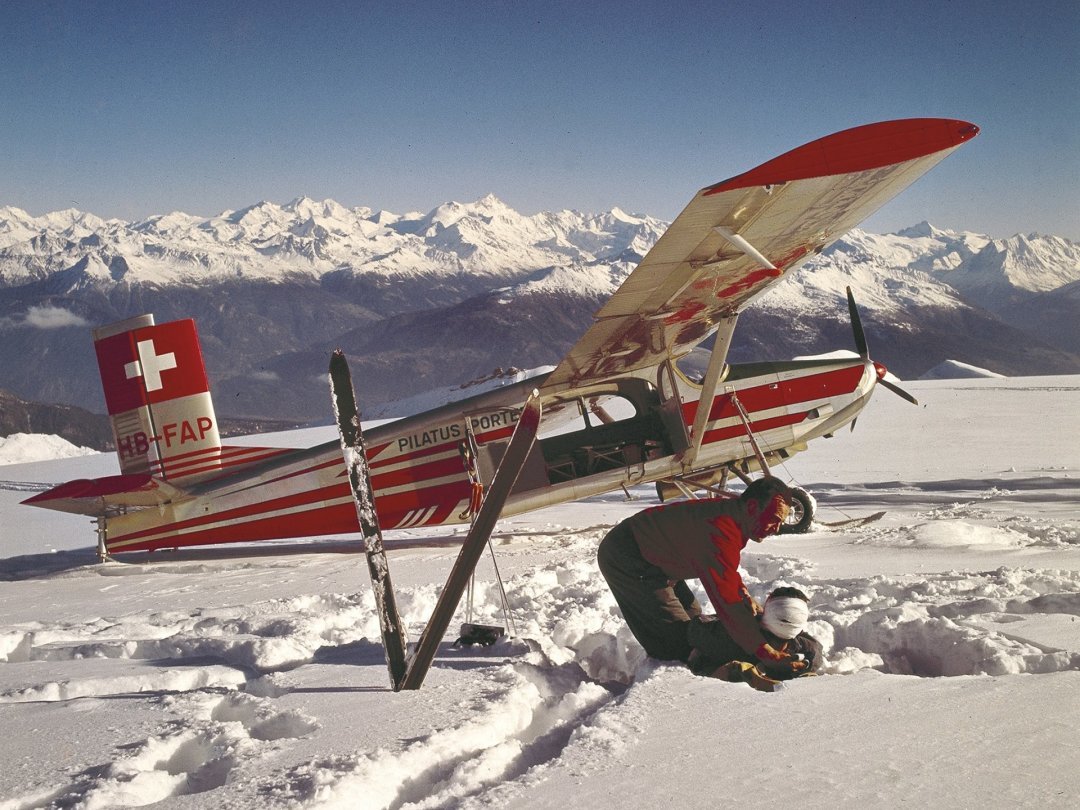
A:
470, 290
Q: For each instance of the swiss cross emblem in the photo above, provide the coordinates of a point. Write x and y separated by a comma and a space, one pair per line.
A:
151, 364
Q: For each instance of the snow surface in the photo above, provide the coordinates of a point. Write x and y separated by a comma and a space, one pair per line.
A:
208, 678
954, 369
19, 448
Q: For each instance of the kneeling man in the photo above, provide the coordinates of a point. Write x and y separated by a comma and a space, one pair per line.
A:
647, 558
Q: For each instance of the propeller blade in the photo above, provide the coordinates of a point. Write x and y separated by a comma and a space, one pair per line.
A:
900, 392
864, 352
856, 326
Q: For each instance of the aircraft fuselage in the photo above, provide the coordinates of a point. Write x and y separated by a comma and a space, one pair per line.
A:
622, 432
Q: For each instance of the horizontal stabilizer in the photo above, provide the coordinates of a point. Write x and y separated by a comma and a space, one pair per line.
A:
107, 496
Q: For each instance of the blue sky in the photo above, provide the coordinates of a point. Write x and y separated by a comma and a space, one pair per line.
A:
129, 109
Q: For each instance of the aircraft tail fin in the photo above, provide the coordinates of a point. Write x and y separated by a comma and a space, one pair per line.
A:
158, 397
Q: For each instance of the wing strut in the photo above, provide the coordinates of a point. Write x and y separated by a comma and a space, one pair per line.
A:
708, 387
741, 243
750, 434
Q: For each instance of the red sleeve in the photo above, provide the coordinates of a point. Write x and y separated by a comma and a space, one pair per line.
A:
724, 585
723, 570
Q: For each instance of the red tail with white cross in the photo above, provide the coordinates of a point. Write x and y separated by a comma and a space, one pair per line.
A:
158, 399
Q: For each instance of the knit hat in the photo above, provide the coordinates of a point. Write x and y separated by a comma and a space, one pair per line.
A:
786, 613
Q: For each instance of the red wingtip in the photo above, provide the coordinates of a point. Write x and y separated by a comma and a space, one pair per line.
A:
862, 148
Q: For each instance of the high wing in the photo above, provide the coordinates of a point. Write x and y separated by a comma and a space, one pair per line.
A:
739, 237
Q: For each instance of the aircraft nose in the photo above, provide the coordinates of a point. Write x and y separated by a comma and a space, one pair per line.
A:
880, 369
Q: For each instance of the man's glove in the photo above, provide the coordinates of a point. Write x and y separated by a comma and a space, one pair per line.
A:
779, 662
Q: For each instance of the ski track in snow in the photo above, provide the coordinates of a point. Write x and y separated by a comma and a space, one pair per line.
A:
217, 676
216, 731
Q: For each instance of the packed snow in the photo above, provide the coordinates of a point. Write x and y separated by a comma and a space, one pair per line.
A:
19, 448
954, 369
255, 678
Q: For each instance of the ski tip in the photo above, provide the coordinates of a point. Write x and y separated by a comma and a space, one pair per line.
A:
530, 414
337, 360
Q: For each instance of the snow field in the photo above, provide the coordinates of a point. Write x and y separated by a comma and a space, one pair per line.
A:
20, 448
222, 676
206, 679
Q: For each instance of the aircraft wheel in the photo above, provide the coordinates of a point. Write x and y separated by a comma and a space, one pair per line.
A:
801, 514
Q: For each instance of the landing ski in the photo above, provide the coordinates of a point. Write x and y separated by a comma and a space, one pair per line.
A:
352, 448
852, 522
494, 500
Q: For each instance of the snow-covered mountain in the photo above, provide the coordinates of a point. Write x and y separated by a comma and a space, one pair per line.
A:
477, 245
427, 300
1008, 271
924, 265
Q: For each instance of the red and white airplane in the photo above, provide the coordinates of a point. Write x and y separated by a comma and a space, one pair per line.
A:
618, 410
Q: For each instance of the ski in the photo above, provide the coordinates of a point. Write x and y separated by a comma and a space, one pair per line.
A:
517, 451
850, 522
352, 449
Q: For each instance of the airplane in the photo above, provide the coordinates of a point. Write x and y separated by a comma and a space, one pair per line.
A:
619, 410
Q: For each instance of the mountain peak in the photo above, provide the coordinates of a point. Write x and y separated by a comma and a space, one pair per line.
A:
261, 207
489, 200
623, 216
918, 231
306, 208
12, 212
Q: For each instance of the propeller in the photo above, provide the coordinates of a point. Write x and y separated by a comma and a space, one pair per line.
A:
864, 351
896, 389
856, 326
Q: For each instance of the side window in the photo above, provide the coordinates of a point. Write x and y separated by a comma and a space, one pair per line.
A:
693, 366
608, 409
